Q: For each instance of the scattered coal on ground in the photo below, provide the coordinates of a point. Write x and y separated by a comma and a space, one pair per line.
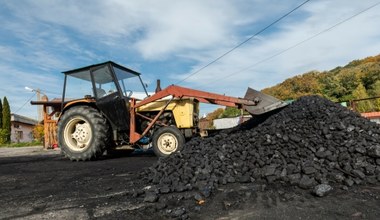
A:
311, 143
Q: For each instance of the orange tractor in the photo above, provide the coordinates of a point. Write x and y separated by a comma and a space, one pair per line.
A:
101, 110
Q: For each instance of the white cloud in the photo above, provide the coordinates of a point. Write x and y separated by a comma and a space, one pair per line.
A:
39, 39
13, 82
186, 26
156, 29
357, 38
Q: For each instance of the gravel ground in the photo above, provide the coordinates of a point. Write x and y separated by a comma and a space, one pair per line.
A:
44, 185
22, 151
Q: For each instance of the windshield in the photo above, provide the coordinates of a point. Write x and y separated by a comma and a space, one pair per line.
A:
130, 84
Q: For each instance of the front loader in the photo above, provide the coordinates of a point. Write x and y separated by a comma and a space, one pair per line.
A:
110, 114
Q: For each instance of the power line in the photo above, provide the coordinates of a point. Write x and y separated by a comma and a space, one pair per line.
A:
245, 41
297, 44
25, 103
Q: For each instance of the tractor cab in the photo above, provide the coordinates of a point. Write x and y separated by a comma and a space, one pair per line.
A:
101, 80
108, 85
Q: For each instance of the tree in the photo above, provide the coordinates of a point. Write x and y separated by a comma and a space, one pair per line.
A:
348, 80
337, 84
1, 114
3, 136
293, 88
375, 92
6, 126
361, 93
38, 132
375, 89
230, 112
213, 115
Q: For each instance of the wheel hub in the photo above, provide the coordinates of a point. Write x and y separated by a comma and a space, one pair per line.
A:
167, 143
78, 134
81, 134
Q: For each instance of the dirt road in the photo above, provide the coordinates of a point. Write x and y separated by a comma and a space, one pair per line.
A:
39, 184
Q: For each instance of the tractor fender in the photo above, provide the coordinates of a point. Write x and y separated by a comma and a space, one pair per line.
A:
77, 102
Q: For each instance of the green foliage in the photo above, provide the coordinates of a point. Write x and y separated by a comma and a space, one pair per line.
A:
361, 93
1, 114
4, 136
230, 112
353, 63
375, 92
23, 144
6, 126
375, 89
293, 88
213, 115
358, 79
371, 77
338, 86
331, 88
38, 132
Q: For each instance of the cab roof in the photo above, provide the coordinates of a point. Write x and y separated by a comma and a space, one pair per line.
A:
84, 72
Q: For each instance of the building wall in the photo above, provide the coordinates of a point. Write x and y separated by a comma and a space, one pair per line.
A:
377, 120
21, 132
203, 124
223, 123
22, 128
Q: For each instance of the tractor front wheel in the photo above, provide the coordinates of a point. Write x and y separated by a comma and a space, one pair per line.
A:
82, 133
167, 140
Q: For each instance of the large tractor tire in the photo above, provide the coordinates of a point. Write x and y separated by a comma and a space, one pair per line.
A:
167, 140
83, 133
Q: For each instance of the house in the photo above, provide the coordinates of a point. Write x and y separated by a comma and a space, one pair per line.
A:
22, 128
204, 123
373, 116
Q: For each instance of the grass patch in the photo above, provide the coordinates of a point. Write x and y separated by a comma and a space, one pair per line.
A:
26, 144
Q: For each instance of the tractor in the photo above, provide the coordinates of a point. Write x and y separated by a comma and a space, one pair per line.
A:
106, 106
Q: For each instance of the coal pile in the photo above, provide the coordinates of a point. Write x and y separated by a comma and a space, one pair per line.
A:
310, 142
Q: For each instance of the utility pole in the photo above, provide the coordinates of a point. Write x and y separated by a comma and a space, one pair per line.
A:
39, 107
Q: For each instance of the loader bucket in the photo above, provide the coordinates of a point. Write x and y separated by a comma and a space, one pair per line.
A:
265, 103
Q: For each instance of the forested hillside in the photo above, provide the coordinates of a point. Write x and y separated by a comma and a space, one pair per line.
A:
357, 80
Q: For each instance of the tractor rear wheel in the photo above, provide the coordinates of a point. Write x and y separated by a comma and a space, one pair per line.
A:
83, 133
167, 140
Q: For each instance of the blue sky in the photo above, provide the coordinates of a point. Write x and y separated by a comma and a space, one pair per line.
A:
170, 39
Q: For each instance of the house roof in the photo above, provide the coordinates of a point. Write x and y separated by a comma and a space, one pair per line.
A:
23, 119
371, 114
